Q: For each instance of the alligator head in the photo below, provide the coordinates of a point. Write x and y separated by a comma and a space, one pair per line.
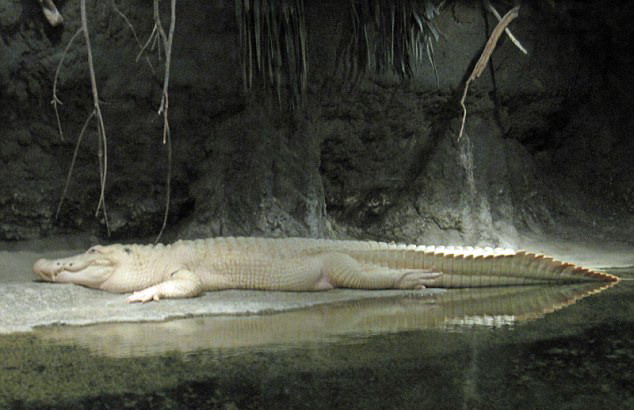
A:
91, 268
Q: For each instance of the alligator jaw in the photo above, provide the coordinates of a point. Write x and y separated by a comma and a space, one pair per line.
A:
43, 269
87, 269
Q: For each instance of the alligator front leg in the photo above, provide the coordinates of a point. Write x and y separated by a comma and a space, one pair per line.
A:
182, 284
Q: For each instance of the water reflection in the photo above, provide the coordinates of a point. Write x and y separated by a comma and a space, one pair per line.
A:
454, 310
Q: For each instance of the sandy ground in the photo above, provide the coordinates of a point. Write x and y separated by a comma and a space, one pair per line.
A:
26, 303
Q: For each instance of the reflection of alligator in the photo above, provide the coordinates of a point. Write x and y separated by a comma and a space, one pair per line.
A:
187, 268
326, 323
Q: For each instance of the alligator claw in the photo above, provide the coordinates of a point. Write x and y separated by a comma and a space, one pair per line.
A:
145, 295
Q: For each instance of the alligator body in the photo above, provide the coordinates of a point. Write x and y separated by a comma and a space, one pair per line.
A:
188, 268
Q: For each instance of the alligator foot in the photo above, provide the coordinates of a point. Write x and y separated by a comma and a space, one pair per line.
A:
418, 279
145, 295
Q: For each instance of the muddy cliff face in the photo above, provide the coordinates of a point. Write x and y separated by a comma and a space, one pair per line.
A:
547, 147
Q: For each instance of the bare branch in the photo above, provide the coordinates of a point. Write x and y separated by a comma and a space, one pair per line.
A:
484, 59
510, 35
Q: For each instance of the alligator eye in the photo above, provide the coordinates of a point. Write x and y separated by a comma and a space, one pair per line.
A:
127, 250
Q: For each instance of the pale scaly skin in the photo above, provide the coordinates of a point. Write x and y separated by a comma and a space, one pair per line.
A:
188, 268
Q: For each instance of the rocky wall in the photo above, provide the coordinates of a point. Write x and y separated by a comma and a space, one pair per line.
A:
547, 147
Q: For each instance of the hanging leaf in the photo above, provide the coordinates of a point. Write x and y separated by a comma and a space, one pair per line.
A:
390, 36
272, 38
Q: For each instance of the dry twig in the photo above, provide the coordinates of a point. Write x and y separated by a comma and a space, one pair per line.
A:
484, 59
510, 35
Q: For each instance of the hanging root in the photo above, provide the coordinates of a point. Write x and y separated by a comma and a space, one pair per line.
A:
72, 163
131, 27
484, 59
158, 36
101, 129
56, 101
96, 112
167, 40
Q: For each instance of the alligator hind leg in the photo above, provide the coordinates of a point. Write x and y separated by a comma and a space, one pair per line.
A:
344, 271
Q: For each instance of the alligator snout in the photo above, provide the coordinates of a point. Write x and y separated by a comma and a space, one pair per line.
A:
48, 269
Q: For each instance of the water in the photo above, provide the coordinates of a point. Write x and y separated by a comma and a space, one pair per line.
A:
510, 348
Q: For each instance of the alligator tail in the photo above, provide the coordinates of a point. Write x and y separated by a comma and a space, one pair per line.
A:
464, 267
